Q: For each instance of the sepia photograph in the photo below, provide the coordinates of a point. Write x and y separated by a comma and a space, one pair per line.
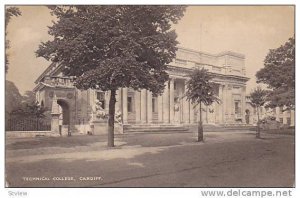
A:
183, 96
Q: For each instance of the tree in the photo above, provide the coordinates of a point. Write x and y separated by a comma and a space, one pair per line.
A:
33, 110
13, 98
9, 13
279, 74
258, 98
200, 90
110, 47
29, 97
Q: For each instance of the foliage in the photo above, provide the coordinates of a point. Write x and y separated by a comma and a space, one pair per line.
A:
29, 97
17, 105
200, 89
109, 47
9, 13
13, 98
279, 75
258, 97
30, 110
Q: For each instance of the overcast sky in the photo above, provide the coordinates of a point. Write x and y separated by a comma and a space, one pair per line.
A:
250, 30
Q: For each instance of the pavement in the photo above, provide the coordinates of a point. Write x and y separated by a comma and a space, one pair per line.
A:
224, 159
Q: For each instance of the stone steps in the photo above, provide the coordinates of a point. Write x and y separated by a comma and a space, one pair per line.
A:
154, 128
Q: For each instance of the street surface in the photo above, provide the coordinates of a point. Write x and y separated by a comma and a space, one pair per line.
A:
225, 159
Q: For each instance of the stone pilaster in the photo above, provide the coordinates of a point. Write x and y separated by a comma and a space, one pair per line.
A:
143, 106
149, 106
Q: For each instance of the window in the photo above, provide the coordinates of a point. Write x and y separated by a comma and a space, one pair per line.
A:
281, 109
101, 98
281, 120
237, 108
174, 85
288, 121
129, 104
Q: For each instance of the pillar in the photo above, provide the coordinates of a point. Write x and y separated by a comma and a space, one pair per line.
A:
137, 98
107, 98
55, 116
285, 117
149, 106
292, 118
143, 105
185, 107
160, 108
224, 105
166, 105
243, 105
172, 101
221, 105
229, 103
125, 105
278, 114
118, 100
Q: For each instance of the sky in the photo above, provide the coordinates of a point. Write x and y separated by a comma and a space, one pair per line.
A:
250, 30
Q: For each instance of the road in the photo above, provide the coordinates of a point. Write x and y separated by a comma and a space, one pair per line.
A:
152, 160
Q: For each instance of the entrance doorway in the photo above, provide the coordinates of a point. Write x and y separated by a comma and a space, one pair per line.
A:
64, 118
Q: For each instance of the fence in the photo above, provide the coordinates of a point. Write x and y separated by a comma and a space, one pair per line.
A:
27, 124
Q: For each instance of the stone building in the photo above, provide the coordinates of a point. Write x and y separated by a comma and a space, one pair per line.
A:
285, 117
140, 108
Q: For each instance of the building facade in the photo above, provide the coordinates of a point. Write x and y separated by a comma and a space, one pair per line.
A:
77, 107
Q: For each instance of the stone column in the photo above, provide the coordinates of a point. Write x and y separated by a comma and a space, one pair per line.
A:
285, 117
191, 113
124, 104
149, 106
107, 98
224, 105
160, 108
229, 103
243, 105
166, 100
118, 100
186, 116
55, 116
292, 118
278, 114
221, 105
143, 106
172, 101
137, 98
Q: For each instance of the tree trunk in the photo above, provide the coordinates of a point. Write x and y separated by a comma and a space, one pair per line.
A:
111, 119
258, 128
200, 125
